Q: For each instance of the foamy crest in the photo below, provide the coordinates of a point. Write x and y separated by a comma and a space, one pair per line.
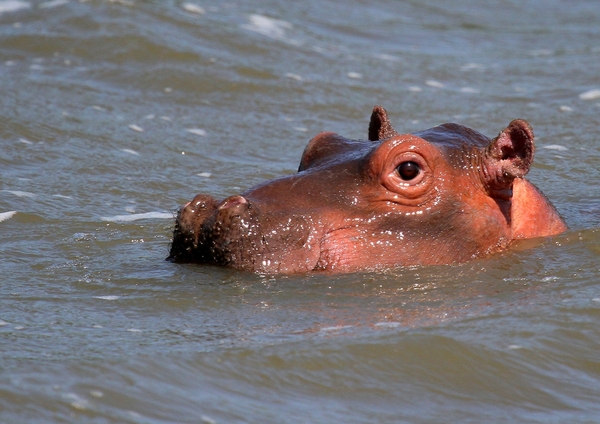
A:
196, 131
590, 95
555, 147
53, 3
20, 193
294, 76
193, 8
136, 128
270, 27
110, 297
434, 84
137, 217
13, 6
130, 151
7, 215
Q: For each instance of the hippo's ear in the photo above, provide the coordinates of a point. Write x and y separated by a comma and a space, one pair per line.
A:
380, 127
509, 155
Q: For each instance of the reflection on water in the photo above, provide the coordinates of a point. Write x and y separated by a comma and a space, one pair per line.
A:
116, 112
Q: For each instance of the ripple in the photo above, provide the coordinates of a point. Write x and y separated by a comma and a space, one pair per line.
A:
13, 6
137, 216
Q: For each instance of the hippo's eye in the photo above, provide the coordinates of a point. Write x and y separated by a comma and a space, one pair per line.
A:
408, 170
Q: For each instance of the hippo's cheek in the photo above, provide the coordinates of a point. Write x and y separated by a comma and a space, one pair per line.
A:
291, 244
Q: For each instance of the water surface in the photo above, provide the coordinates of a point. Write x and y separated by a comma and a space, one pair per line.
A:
113, 113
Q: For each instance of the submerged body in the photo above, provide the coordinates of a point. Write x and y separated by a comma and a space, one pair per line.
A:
441, 196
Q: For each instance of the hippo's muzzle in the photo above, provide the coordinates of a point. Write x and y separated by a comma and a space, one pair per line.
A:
211, 232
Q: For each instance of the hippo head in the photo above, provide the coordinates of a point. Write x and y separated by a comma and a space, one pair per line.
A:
441, 196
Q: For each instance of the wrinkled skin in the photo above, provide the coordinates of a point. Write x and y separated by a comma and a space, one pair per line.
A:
441, 196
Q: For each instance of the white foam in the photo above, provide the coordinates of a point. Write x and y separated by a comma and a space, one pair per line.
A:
590, 95
196, 131
25, 141
130, 151
193, 8
555, 147
514, 346
20, 193
388, 57
13, 6
336, 328
270, 27
548, 279
107, 297
137, 216
294, 76
136, 128
472, 66
77, 402
434, 84
565, 109
53, 3
354, 75
205, 174
207, 420
469, 90
391, 324
415, 89
7, 215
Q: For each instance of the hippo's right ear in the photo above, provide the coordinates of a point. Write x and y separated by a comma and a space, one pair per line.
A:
509, 155
380, 127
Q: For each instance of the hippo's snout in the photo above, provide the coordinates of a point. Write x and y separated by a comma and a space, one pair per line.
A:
188, 227
208, 231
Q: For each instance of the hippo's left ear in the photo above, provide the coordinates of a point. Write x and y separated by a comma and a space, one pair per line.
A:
380, 127
509, 155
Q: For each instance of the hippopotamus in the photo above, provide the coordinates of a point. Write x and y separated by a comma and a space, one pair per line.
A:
445, 195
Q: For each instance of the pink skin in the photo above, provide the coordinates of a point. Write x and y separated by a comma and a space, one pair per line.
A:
442, 196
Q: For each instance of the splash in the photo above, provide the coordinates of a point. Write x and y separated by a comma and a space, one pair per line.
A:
7, 215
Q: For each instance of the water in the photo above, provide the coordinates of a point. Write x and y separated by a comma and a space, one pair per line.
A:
115, 112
